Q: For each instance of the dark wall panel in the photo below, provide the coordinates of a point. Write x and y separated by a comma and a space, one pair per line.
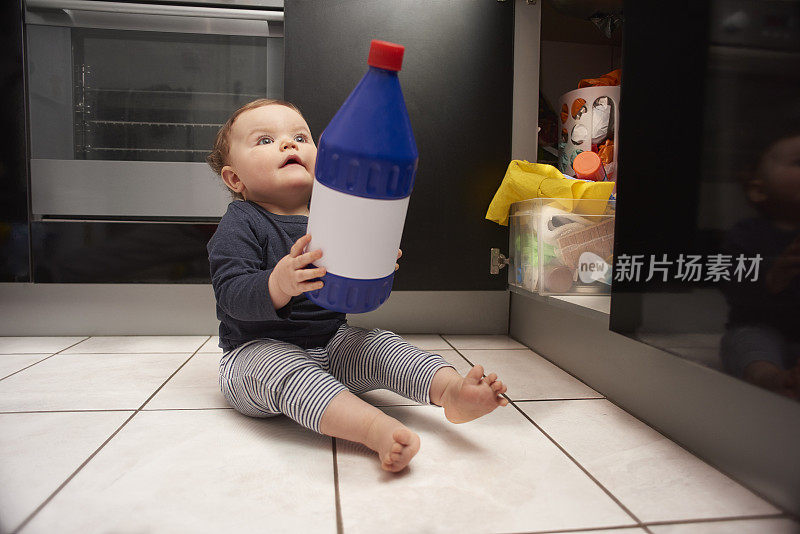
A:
14, 232
457, 80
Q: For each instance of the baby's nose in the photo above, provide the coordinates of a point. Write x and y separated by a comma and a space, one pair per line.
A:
288, 143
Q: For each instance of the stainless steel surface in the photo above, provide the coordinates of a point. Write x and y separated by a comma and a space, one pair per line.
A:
121, 122
94, 188
158, 9
49, 87
188, 309
267, 4
154, 18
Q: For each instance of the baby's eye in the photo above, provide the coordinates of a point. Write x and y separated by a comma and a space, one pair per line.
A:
264, 141
300, 138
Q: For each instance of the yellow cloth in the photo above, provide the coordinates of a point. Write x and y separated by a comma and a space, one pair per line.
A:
525, 180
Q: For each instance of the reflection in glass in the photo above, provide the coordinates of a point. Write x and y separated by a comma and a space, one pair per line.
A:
709, 214
762, 338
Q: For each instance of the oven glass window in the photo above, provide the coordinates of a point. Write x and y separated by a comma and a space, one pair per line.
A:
160, 99
142, 96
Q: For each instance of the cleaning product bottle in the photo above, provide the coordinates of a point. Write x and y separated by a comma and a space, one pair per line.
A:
366, 162
588, 166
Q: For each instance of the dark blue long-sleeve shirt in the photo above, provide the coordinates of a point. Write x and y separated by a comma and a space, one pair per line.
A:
750, 302
242, 253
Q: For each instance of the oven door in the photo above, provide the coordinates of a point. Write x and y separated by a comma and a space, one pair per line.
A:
125, 101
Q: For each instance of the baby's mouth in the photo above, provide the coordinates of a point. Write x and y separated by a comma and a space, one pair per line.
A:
291, 160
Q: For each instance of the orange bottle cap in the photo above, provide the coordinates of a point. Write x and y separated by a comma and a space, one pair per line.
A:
587, 164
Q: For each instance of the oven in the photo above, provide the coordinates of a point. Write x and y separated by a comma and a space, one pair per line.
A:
125, 100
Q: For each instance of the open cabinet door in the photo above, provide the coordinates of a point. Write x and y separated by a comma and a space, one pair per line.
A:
457, 80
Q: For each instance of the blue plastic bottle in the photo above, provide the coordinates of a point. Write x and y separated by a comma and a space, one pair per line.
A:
366, 162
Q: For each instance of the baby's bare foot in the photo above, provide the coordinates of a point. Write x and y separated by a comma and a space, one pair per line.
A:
471, 397
394, 443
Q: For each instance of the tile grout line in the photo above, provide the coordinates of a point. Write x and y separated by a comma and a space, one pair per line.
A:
579, 530
43, 359
64, 411
783, 512
539, 354
562, 399
91, 456
336, 494
720, 519
586, 471
652, 524
108, 352
564, 451
698, 457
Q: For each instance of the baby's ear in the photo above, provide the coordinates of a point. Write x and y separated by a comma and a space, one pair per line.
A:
754, 189
231, 179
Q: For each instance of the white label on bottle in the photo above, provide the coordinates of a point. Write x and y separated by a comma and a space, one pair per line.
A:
359, 237
591, 267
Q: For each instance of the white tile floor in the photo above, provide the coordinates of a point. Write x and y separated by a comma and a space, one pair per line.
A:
131, 434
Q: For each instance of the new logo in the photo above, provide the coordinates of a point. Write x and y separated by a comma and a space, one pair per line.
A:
592, 267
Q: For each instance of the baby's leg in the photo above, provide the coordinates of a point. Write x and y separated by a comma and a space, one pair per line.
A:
267, 377
350, 418
365, 360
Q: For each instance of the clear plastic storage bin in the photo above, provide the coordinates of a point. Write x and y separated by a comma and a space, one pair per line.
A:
561, 246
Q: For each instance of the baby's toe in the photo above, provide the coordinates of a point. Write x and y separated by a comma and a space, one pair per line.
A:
497, 386
390, 467
491, 378
401, 436
475, 375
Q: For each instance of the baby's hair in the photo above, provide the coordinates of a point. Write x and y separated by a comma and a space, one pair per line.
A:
218, 157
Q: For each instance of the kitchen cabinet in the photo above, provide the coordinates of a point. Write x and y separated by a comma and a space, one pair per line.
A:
654, 346
14, 229
457, 80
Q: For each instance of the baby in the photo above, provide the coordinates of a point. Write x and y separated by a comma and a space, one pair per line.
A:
282, 353
762, 339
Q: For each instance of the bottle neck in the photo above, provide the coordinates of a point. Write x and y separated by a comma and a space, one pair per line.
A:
382, 72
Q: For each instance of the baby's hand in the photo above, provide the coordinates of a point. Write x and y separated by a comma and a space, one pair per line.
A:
289, 278
399, 253
770, 376
785, 268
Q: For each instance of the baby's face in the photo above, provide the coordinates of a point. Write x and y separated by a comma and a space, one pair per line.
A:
272, 155
781, 174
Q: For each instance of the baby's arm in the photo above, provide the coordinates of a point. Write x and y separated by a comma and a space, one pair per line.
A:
770, 376
290, 278
238, 271
785, 269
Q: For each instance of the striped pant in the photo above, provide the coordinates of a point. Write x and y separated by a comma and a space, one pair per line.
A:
266, 377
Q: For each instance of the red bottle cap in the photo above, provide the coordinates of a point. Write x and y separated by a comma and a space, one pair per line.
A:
588, 166
385, 55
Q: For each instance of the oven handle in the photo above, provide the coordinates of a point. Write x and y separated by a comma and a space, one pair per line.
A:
147, 9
